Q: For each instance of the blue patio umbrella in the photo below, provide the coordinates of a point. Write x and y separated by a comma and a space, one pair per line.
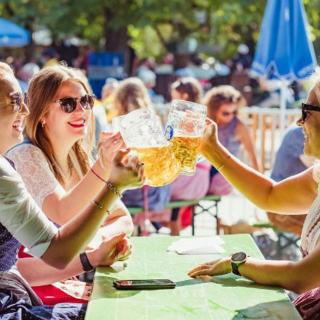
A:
11, 35
284, 50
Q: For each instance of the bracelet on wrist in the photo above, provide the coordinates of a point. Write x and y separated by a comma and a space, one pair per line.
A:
223, 165
110, 186
220, 167
99, 206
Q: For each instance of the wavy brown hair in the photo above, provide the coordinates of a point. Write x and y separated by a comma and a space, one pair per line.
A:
131, 95
220, 95
191, 86
42, 90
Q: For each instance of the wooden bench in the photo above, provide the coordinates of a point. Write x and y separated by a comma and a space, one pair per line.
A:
196, 208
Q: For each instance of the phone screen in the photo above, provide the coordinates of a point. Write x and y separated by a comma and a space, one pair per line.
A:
147, 284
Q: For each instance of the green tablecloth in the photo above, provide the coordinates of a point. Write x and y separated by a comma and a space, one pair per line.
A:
225, 297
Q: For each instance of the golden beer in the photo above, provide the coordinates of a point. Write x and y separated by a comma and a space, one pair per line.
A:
160, 165
185, 149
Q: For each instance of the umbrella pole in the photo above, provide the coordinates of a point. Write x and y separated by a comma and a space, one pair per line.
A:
283, 94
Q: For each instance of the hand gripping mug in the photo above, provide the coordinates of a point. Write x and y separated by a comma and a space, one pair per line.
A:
185, 127
142, 132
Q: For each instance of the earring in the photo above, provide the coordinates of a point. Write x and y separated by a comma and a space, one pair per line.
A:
42, 124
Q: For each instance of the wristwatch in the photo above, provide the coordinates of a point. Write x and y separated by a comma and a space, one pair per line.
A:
238, 259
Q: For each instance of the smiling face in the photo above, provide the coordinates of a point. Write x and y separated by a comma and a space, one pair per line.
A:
62, 127
11, 120
311, 124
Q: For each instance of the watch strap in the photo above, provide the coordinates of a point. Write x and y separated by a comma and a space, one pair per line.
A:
86, 265
235, 269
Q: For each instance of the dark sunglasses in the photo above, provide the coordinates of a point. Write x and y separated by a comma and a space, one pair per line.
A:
227, 114
69, 104
305, 108
18, 100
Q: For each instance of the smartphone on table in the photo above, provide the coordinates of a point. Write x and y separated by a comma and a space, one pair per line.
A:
147, 284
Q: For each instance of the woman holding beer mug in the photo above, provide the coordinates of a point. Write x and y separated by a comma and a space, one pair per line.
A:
55, 160
23, 222
298, 194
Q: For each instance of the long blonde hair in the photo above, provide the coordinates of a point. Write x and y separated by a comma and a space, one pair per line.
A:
42, 90
131, 95
6, 73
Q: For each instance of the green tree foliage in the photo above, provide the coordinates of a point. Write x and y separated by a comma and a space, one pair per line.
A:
151, 27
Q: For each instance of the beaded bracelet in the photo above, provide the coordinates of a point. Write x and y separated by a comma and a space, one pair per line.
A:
110, 186
97, 204
223, 165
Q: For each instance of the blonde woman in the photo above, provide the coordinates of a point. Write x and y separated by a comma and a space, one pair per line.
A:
54, 161
297, 194
23, 222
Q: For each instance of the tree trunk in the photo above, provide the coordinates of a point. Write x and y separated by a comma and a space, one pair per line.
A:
117, 40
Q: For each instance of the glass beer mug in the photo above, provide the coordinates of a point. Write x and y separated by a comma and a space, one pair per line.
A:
142, 132
185, 127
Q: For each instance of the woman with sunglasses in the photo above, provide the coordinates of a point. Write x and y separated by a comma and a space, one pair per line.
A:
297, 194
23, 222
55, 163
223, 103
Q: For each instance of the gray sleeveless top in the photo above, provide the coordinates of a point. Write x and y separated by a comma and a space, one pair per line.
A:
227, 136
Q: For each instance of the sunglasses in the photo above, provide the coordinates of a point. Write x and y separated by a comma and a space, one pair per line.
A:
305, 108
18, 99
69, 104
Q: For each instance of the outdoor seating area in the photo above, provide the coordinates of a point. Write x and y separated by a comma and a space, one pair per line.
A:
159, 160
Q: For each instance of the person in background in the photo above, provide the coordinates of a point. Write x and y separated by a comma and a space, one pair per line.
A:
107, 96
242, 59
49, 57
23, 222
188, 187
223, 103
290, 161
25, 73
294, 195
148, 77
55, 160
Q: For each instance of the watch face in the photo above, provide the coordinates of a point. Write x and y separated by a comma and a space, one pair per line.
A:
239, 256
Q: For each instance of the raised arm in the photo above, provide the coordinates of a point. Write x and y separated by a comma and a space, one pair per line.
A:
290, 196
61, 206
39, 235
